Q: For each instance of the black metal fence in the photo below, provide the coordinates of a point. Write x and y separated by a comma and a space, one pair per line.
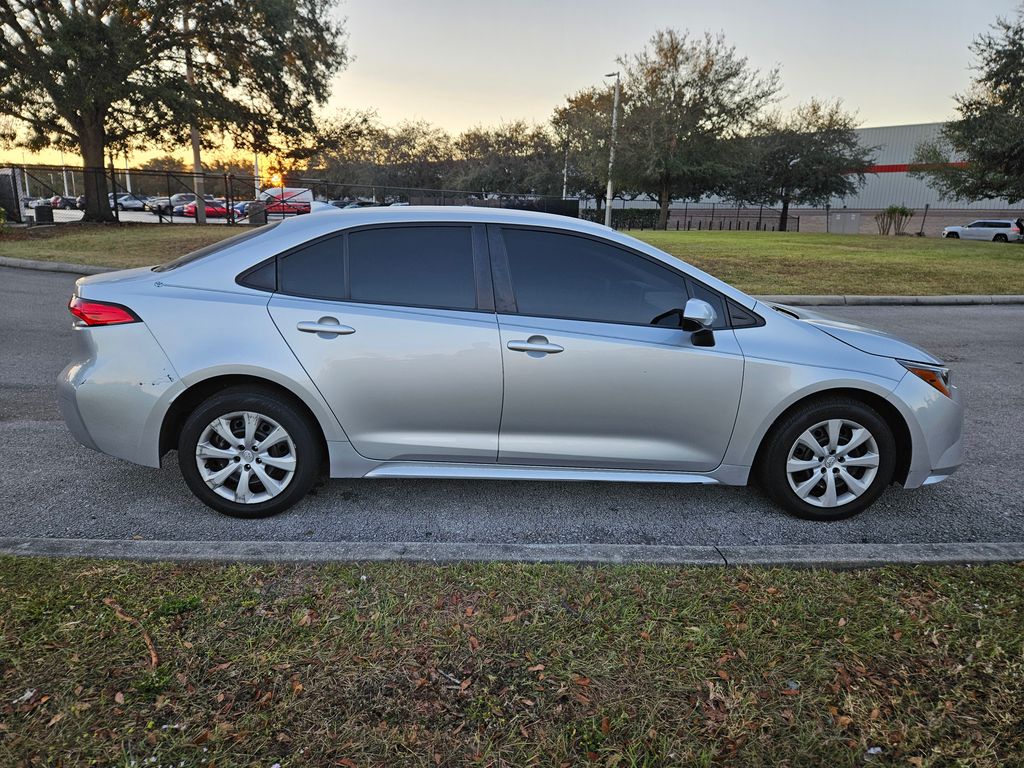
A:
139, 195
162, 196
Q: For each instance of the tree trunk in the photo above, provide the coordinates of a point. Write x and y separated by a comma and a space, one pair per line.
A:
784, 216
92, 141
664, 200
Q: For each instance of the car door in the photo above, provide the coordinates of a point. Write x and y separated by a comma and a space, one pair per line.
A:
592, 376
395, 326
976, 230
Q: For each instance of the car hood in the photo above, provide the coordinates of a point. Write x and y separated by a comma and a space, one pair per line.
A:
869, 340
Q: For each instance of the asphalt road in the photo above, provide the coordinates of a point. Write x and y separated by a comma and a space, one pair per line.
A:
52, 487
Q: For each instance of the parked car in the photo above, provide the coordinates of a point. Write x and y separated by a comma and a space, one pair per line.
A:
241, 208
998, 230
128, 202
287, 200
32, 202
363, 204
62, 203
486, 343
214, 209
169, 205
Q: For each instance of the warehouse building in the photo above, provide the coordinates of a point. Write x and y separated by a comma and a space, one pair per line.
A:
889, 182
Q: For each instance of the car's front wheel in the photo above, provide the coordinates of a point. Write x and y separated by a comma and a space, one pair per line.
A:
953, 235
828, 459
248, 453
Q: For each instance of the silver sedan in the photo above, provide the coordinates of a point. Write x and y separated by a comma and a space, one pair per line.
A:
479, 343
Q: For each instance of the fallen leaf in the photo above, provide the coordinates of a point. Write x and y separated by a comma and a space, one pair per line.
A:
535, 668
841, 622
473, 643
584, 681
465, 683
723, 674
605, 725
55, 719
119, 698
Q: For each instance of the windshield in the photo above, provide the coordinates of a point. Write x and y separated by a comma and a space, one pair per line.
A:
212, 248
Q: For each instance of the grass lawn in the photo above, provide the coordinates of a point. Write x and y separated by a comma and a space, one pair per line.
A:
111, 245
756, 262
793, 262
501, 664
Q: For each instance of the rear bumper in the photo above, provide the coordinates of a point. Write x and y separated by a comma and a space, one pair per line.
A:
113, 394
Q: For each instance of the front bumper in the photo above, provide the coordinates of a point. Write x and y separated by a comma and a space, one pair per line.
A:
936, 431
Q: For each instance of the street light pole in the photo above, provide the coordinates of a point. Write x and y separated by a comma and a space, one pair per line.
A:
611, 153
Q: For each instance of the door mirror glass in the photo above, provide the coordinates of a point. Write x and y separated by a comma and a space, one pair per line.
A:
698, 315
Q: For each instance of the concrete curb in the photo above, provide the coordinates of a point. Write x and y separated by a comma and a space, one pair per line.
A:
53, 266
834, 556
794, 300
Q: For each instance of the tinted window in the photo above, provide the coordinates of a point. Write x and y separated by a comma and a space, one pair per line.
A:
555, 275
417, 266
316, 270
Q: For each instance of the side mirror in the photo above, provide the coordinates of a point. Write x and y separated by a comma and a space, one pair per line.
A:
698, 315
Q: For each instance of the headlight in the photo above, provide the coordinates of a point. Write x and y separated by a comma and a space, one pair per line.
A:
934, 375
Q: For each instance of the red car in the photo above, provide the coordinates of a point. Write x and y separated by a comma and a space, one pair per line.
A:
214, 209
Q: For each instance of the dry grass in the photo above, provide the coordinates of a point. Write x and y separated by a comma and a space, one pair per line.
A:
398, 664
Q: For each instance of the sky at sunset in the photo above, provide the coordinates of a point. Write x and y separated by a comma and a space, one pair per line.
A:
459, 63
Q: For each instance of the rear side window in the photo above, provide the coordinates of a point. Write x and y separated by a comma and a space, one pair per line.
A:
428, 266
415, 266
212, 248
316, 270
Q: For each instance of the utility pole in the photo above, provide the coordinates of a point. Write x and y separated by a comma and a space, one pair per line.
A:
611, 153
256, 176
565, 172
197, 161
127, 176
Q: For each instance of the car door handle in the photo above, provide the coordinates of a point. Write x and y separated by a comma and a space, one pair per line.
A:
535, 344
328, 326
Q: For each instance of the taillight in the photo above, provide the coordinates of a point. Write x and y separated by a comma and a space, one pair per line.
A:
100, 312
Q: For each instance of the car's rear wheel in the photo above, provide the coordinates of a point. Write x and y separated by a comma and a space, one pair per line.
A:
1001, 238
248, 453
828, 460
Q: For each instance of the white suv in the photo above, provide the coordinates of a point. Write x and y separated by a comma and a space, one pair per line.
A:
998, 230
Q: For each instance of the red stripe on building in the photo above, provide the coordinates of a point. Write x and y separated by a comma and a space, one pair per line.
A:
904, 167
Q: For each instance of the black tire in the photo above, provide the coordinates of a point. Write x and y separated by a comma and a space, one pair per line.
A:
771, 471
308, 452
120, 207
953, 236
1001, 238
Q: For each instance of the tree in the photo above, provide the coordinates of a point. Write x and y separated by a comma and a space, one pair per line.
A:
806, 157
981, 155
683, 100
513, 157
93, 76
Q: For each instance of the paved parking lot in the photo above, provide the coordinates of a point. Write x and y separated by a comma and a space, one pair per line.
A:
51, 487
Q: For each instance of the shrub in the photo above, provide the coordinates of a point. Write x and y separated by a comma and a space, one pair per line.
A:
624, 218
893, 219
